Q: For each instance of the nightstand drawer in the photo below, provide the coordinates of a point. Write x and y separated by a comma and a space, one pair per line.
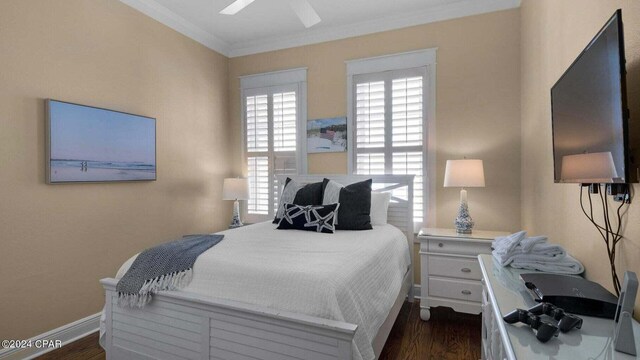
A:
447, 246
452, 289
450, 266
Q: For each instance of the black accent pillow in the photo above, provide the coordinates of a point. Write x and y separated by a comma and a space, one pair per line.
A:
355, 205
309, 194
318, 218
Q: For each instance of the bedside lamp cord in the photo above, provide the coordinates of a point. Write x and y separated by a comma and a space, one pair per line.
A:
610, 237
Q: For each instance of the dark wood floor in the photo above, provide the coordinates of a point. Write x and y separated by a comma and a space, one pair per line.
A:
86, 348
448, 335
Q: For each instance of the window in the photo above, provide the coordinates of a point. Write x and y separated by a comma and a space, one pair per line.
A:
389, 116
272, 118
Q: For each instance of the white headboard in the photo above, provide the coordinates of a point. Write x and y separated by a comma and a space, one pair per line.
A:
400, 212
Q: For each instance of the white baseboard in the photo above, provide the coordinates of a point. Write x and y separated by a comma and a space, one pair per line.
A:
416, 292
66, 334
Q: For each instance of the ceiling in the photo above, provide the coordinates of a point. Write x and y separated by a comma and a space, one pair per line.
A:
267, 25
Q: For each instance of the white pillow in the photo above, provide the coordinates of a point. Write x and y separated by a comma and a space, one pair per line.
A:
379, 207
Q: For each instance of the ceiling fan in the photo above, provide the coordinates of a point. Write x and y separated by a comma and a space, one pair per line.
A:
302, 8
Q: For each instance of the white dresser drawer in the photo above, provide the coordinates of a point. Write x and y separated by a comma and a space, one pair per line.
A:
447, 246
455, 289
449, 266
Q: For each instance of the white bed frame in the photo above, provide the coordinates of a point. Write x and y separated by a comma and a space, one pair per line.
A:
183, 325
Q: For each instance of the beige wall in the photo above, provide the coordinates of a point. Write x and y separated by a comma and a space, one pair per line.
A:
553, 34
57, 241
478, 102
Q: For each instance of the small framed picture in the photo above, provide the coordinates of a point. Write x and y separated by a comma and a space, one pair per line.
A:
327, 135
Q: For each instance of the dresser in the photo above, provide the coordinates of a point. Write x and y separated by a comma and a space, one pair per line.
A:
503, 291
449, 270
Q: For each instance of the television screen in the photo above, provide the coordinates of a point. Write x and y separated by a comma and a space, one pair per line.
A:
88, 144
589, 113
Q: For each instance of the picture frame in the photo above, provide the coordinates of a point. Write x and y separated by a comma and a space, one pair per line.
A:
327, 135
86, 144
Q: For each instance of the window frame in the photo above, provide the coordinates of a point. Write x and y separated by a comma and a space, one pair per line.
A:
383, 68
269, 84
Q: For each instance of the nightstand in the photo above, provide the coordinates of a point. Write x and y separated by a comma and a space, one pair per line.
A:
449, 269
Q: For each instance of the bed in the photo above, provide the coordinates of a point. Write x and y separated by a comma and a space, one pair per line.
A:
264, 293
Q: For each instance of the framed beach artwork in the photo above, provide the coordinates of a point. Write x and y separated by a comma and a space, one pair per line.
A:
89, 144
327, 135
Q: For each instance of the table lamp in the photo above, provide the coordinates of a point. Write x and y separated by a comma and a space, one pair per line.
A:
464, 173
235, 189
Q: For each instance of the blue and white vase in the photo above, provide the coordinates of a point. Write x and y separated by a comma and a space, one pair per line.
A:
463, 222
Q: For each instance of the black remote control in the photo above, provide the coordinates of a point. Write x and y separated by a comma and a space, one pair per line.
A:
545, 330
566, 321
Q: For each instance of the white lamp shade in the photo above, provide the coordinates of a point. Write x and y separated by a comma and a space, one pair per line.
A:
588, 168
235, 189
464, 173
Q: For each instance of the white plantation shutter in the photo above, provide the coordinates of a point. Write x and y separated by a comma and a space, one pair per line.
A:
407, 114
258, 173
370, 164
370, 115
284, 165
389, 128
284, 121
257, 123
271, 118
411, 163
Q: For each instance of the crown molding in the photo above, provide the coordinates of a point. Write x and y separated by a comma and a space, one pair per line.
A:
169, 18
442, 12
445, 11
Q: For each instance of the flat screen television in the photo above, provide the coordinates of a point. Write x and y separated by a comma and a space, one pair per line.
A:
590, 118
89, 144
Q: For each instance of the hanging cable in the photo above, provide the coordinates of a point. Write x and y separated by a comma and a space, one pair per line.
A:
610, 237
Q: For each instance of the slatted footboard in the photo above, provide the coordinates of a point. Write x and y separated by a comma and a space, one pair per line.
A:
179, 325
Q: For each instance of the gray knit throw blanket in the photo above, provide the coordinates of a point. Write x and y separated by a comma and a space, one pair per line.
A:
165, 267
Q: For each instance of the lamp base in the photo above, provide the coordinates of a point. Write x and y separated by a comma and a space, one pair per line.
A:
235, 220
463, 222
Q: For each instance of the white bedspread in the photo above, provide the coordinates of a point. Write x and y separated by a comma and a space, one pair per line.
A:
351, 276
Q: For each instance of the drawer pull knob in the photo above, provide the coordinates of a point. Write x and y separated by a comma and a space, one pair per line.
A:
465, 270
466, 292
440, 244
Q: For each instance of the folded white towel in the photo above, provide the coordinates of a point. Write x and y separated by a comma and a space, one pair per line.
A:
531, 248
528, 244
540, 252
507, 244
534, 253
567, 265
517, 242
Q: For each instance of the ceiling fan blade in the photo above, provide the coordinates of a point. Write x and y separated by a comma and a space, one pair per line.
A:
305, 12
235, 7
